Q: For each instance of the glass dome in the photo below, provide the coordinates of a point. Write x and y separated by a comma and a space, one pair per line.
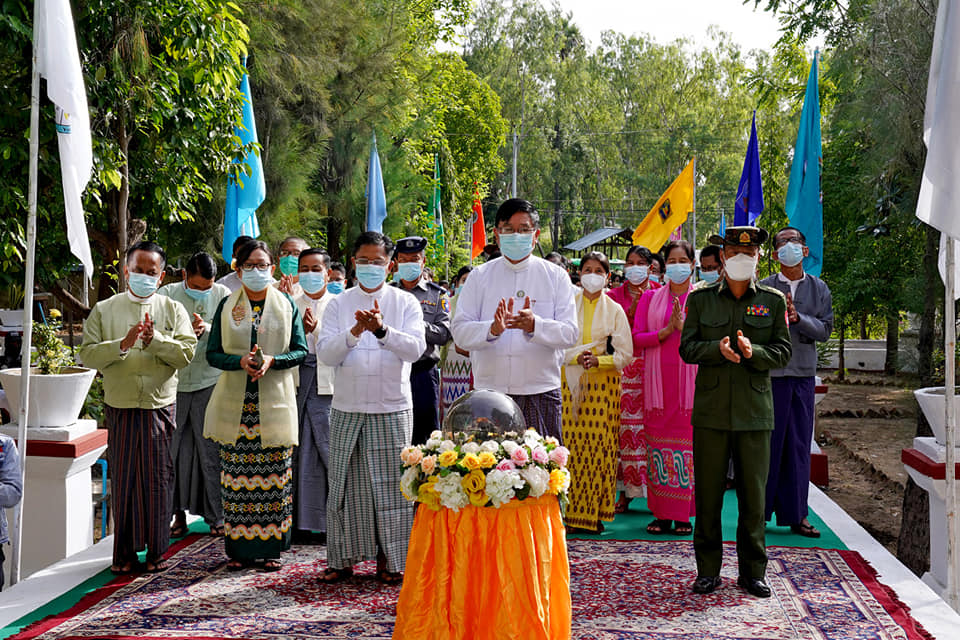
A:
483, 414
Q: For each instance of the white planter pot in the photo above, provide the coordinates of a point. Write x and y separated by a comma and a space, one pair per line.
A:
11, 317
932, 403
55, 400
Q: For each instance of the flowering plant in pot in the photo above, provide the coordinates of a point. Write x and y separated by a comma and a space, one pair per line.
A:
57, 386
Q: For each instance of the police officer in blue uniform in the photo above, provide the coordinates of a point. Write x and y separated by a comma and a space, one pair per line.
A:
424, 377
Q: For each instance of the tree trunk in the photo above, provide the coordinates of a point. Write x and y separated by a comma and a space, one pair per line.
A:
863, 325
333, 241
893, 342
913, 544
841, 360
556, 216
932, 293
122, 204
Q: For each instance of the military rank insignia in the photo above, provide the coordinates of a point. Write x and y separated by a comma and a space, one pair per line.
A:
758, 310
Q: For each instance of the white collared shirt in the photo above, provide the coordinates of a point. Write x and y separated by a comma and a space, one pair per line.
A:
517, 362
793, 284
371, 375
325, 374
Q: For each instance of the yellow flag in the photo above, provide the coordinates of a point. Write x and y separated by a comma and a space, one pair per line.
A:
669, 213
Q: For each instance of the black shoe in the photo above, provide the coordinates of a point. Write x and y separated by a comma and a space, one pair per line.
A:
706, 584
754, 586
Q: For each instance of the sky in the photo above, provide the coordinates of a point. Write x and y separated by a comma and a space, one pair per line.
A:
669, 20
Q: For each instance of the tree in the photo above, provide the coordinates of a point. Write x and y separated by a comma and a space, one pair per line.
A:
163, 87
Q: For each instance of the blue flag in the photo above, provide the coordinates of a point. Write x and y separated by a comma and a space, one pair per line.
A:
376, 196
723, 223
749, 203
240, 212
804, 203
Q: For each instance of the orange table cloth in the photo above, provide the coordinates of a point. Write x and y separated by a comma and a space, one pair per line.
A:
487, 574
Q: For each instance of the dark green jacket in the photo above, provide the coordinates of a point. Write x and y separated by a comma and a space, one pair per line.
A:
735, 396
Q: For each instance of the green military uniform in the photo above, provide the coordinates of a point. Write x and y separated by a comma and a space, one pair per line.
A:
733, 411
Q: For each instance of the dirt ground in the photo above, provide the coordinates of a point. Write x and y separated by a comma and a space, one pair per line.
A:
862, 425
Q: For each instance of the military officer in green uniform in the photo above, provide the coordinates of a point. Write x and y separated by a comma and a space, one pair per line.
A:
736, 331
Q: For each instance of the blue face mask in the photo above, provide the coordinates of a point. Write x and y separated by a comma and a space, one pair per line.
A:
654, 278
256, 280
516, 246
142, 285
197, 294
636, 274
409, 271
457, 290
335, 287
370, 276
790, 254
678, 272
710, 276
312, 281
289, 265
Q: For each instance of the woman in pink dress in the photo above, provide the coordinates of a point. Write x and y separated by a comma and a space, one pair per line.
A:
632, 469
668, 395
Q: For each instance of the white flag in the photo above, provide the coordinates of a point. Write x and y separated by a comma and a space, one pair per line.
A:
59, 62
939, 201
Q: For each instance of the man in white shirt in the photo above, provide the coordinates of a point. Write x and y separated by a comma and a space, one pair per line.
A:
314, 396
516, 315
370, 334
232, 280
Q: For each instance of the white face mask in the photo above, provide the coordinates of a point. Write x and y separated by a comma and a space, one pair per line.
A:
592, 282
740, 267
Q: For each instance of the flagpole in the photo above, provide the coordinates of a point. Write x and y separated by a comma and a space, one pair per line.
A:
950, 342
693, 213
27, 303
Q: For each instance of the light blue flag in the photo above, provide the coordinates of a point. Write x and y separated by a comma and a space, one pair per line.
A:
240, 212
376, 196
749, 203
804, 203
723, 224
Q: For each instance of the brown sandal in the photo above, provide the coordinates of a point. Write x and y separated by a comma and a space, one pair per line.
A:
331, 576
387, 577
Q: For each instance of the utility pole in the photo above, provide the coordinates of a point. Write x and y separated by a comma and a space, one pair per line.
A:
513, 181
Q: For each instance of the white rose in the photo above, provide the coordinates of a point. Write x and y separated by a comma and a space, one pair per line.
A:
470, 447
436, 435
509, 446
447, 445
538, 478
432, 443
490, 445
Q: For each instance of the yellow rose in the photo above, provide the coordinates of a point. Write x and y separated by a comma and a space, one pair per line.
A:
471, 461
428, 494
557, 481
54, 313
474, 482
447, 458
487, 459
479, 499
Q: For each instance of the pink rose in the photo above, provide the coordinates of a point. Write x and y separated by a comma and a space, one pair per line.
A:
520, 456
540, 455
506, 465
560, 455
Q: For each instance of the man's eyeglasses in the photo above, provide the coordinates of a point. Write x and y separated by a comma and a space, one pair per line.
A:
363, 262
782, 241
259, 267
506, 231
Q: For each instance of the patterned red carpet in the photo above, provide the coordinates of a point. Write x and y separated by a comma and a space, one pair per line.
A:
622, 590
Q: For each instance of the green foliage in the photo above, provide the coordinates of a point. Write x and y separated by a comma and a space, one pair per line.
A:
51, 354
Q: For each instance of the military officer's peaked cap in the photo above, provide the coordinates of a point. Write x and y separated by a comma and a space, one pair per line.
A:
411, 244
741, 237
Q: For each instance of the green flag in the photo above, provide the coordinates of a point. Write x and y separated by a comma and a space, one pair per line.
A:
435, 210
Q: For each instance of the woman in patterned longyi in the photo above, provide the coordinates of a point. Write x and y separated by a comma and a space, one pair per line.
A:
591, 397
668, 396
253, 410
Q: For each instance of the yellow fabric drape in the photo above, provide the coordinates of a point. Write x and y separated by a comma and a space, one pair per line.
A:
487, 574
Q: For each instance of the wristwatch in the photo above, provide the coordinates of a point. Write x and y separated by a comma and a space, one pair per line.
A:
380, 333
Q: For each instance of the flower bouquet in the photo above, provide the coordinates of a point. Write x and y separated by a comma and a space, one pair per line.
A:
459, 470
